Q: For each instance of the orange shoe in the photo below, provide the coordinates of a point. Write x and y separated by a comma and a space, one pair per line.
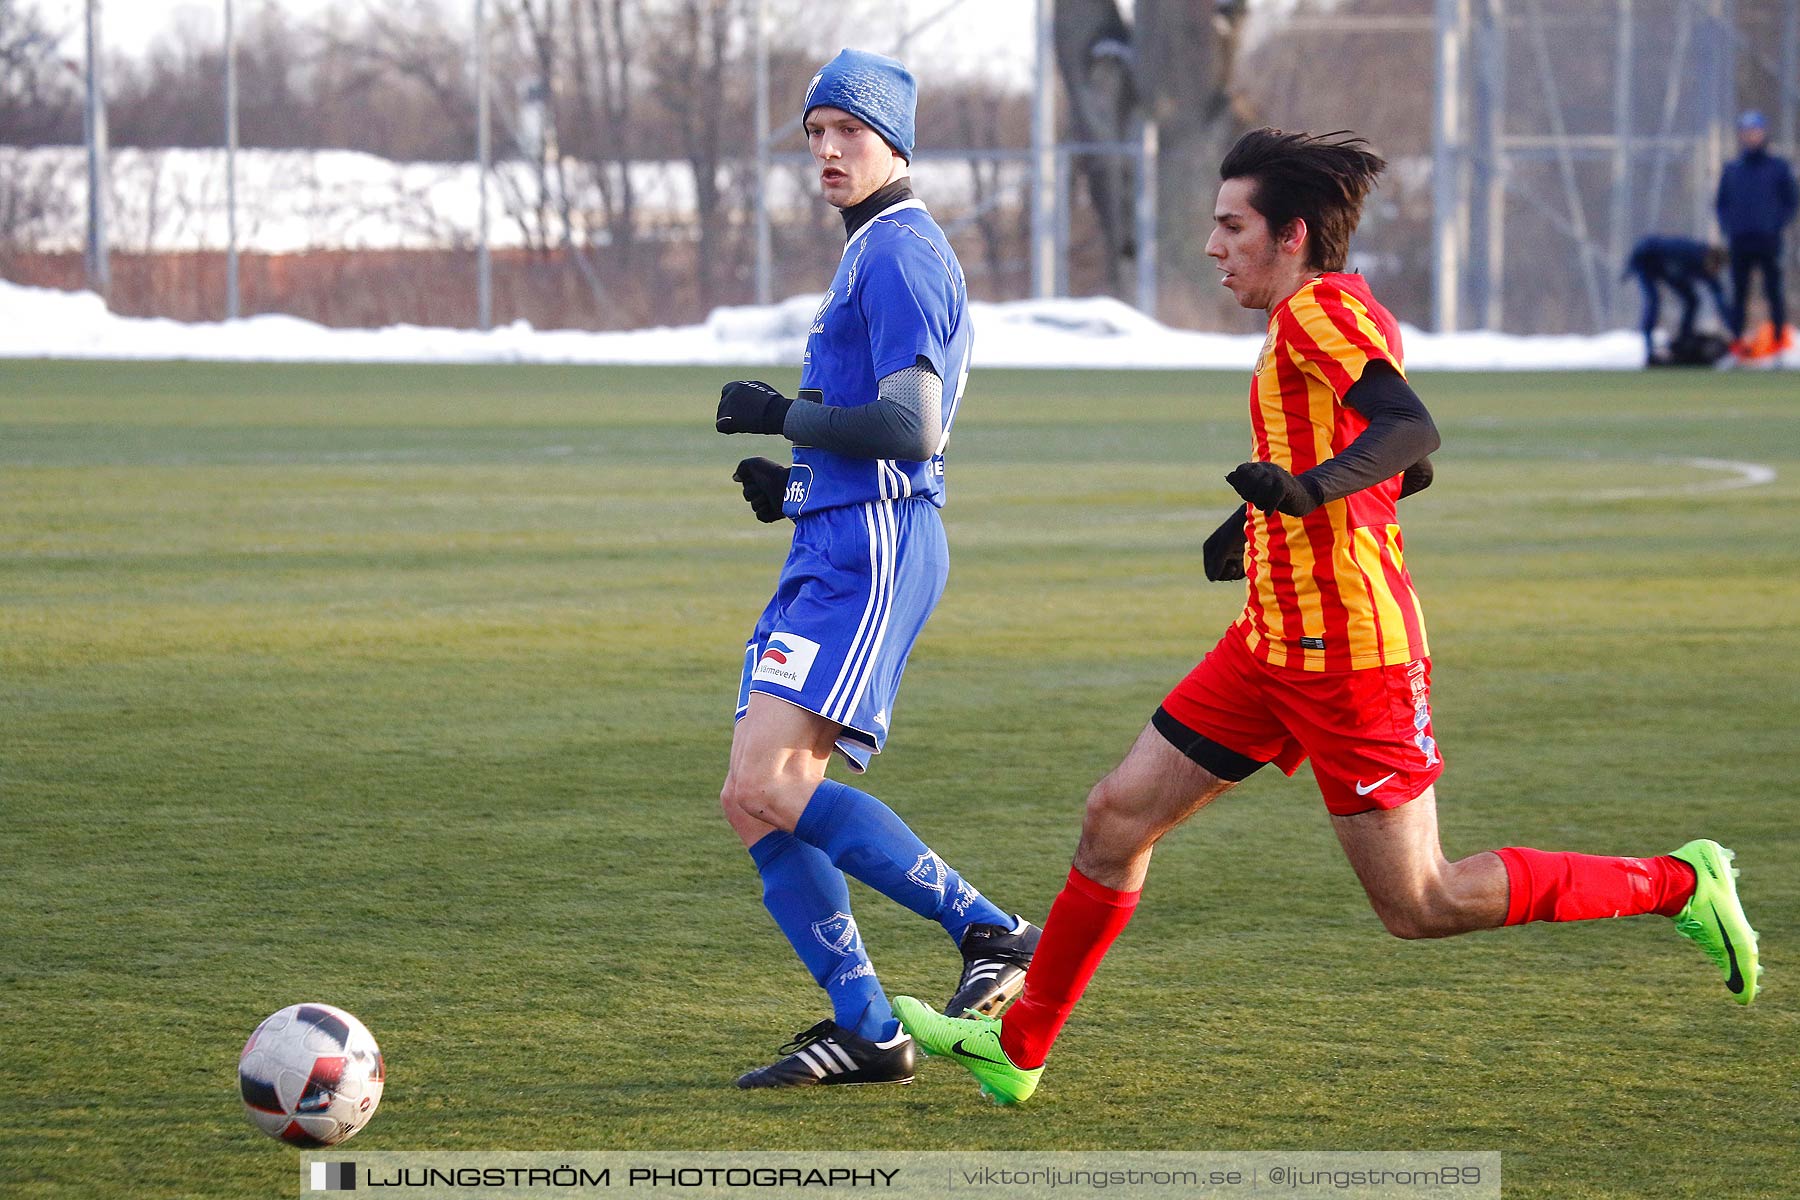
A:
1764, 344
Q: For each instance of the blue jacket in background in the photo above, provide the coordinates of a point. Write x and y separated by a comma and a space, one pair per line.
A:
1671, 258
1757, 195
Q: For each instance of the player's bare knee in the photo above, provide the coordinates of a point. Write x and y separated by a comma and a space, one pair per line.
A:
1114, 825
743, 793
771, 796
731, 799
1103, 809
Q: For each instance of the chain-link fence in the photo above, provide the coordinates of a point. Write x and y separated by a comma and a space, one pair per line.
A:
1531, 145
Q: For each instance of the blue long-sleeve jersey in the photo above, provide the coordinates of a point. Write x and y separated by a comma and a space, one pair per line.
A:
898, 297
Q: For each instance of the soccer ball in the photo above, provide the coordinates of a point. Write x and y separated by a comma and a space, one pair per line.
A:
311, 1075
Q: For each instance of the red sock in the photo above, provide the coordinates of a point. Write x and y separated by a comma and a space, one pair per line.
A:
1079, 930
1547, 886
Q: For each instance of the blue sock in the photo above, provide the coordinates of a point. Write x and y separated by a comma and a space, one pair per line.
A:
809, 900
868, 840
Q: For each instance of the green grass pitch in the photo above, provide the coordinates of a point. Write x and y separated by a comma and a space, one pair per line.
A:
409, 689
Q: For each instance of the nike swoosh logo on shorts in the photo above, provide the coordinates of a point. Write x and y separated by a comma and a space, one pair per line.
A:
958, 1048
1362, 790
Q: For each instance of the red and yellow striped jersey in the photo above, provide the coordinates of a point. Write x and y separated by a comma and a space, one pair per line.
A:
1328, 591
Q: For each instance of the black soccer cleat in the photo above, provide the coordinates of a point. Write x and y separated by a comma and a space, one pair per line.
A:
828, 1053
994, 963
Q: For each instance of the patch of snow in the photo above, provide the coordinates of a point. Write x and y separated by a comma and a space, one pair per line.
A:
1093, 333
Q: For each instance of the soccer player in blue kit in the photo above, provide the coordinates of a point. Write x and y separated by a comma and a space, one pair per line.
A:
886, 361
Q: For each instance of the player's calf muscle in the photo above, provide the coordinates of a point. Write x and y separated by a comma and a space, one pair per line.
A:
1460, 897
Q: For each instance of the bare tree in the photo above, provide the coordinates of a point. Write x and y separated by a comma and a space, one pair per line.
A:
601, 40
689, 65
978, 125
552, 73
39, 101
1173, 64
1186, 52
396, 83
1099, 67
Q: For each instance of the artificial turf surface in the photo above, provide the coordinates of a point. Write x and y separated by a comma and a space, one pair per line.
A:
408, 689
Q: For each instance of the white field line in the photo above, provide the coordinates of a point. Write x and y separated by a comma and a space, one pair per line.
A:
1736, 475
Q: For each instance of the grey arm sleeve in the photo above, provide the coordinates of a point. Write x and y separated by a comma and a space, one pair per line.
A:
905, 421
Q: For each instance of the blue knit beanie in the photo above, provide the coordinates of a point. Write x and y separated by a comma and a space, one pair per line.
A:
876, 90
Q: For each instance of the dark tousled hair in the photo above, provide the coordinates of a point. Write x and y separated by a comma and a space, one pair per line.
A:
1319, 178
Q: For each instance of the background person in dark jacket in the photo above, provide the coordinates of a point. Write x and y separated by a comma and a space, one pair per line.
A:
1757, 198
1677, 263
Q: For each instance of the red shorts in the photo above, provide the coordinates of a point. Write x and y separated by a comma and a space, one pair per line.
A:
1367, 732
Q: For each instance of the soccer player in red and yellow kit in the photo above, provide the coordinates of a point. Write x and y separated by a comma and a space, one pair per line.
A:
1329, 659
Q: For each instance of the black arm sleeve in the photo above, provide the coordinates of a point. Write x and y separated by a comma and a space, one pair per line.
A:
1400, 434
1417, 478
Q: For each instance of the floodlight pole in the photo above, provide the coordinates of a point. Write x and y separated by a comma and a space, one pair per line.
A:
1790, 75
99, 266
1487, 185
1624, 60
765, 252
231, 148
484, 264
1449, 207
1043, 160
1148, 148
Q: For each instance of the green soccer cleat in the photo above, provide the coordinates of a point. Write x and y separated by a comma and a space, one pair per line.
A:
975, 1043
1715, 920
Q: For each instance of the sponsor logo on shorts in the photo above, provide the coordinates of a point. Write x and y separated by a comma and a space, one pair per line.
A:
786, 660
929, 872
1421, 698
838, 934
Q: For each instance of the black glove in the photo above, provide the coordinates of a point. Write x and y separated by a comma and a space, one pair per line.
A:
1223, 553
764, 483
1417, 478
746, 406
1270, 487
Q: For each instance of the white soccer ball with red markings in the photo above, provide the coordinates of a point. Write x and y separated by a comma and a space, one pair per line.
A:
311, 1075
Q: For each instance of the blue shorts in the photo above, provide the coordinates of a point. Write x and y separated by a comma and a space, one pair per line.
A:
855, 591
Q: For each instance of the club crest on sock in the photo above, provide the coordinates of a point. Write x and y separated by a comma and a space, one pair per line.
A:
929, 872
838, 934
